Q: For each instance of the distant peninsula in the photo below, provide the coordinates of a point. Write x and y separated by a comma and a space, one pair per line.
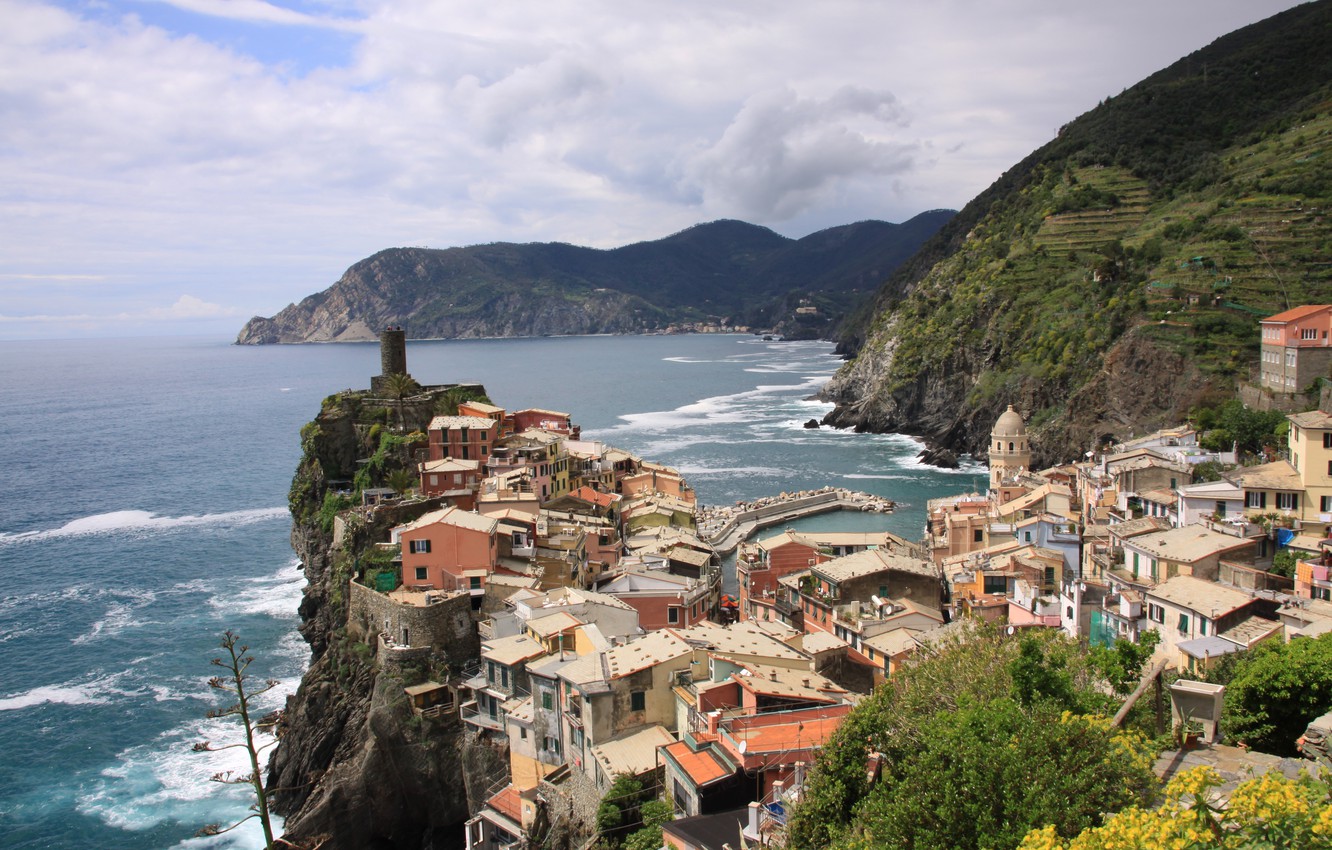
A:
720, 275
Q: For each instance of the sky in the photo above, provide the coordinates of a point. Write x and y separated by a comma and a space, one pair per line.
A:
178, 166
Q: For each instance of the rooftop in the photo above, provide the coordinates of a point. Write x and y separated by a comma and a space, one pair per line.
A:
454, 516
648, 651
1195, 594
634, 753
1316, 419
703, 767
1187, 544
739, 639
1279, 475
511, 650
873, 561
1296, 313
445, 423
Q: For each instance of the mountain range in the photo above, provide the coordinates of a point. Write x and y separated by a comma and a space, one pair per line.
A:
726, 272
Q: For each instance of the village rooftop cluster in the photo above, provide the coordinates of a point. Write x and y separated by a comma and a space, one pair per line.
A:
607, 647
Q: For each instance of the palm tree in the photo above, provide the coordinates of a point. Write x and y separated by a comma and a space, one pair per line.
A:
402, 481
400, 386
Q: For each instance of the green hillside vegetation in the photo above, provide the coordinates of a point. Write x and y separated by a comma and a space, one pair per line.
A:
1181, 212
978, 742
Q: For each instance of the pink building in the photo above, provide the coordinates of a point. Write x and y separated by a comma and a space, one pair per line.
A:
544, 420
448, 549
1296, 349
761, 564
462, 437
456, 480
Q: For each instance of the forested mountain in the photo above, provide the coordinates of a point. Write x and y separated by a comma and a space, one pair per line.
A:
742, 273
1113, 279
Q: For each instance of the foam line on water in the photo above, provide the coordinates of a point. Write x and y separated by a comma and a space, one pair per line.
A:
121, 522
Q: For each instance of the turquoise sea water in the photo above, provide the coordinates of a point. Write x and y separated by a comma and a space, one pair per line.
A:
144, 489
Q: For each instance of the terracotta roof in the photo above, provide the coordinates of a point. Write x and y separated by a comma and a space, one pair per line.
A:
553, 624
506, 802
511, 650
810, 730
596, 497
1297, 313
702, 767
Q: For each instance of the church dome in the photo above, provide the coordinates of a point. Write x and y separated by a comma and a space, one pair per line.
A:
1010, 424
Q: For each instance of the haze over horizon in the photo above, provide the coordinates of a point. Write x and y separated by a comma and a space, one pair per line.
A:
177, 166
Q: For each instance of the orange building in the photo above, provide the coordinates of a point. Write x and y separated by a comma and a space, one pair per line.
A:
448, 549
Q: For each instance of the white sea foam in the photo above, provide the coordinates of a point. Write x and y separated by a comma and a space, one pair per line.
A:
165, 780
54, 694
277, 595
121, 522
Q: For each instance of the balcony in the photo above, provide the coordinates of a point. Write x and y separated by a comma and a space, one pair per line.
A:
472, 714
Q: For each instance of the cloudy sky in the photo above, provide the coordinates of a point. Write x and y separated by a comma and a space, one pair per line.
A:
177, 166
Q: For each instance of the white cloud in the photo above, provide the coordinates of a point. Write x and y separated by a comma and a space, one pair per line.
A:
137, 157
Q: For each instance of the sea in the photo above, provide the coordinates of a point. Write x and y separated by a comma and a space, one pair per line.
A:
144, 513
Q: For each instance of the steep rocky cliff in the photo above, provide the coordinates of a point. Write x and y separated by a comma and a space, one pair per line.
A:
725, 270
1115, 277
356, 767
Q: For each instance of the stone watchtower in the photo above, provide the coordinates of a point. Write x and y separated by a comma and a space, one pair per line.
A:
1009, 450
392, 356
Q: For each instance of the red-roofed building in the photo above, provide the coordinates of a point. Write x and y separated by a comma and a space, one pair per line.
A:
1296, 349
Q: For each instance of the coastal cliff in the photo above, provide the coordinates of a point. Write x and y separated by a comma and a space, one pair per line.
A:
356, 765
1114, 279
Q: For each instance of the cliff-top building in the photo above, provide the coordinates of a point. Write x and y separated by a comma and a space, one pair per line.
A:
1295, 347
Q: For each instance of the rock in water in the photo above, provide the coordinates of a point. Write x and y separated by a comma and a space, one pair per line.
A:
942, 458
813, 423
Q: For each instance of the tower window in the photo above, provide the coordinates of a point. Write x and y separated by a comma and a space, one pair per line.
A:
1010, 447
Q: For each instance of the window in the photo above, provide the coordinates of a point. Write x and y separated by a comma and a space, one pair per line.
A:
978, 536
672, 615
1202, 626
419, 547
1135, 564
1155, 613
1288, 501
1026, 537
638, 701
1255, 499
1322, 593
1308, 333
1220, 508
420, 573
522, 733
1327, 439
546, 701
475, 582
504, 677
1325, 504
1183, 624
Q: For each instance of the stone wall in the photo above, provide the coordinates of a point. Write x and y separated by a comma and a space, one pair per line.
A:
446, 627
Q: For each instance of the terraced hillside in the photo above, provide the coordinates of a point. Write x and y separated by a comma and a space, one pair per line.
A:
1114, 279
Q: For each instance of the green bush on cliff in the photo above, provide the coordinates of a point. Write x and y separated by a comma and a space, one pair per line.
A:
334, 503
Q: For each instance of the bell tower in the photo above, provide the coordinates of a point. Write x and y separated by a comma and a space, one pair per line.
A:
1010, 452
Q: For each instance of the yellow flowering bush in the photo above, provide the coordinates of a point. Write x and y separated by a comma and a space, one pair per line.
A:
1268, 811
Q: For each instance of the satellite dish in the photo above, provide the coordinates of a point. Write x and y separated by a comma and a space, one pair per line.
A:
744, 745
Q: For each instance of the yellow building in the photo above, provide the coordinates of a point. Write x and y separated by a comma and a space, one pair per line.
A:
1310, 445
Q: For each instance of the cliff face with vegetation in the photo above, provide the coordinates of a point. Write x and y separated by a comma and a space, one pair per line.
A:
745, 274
355, 766
1113, 279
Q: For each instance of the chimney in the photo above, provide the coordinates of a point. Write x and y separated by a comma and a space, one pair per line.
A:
714, 717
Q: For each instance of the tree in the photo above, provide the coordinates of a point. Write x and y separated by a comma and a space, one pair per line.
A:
400, 386
977, 711
233, 682
402, 480
1276, 690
